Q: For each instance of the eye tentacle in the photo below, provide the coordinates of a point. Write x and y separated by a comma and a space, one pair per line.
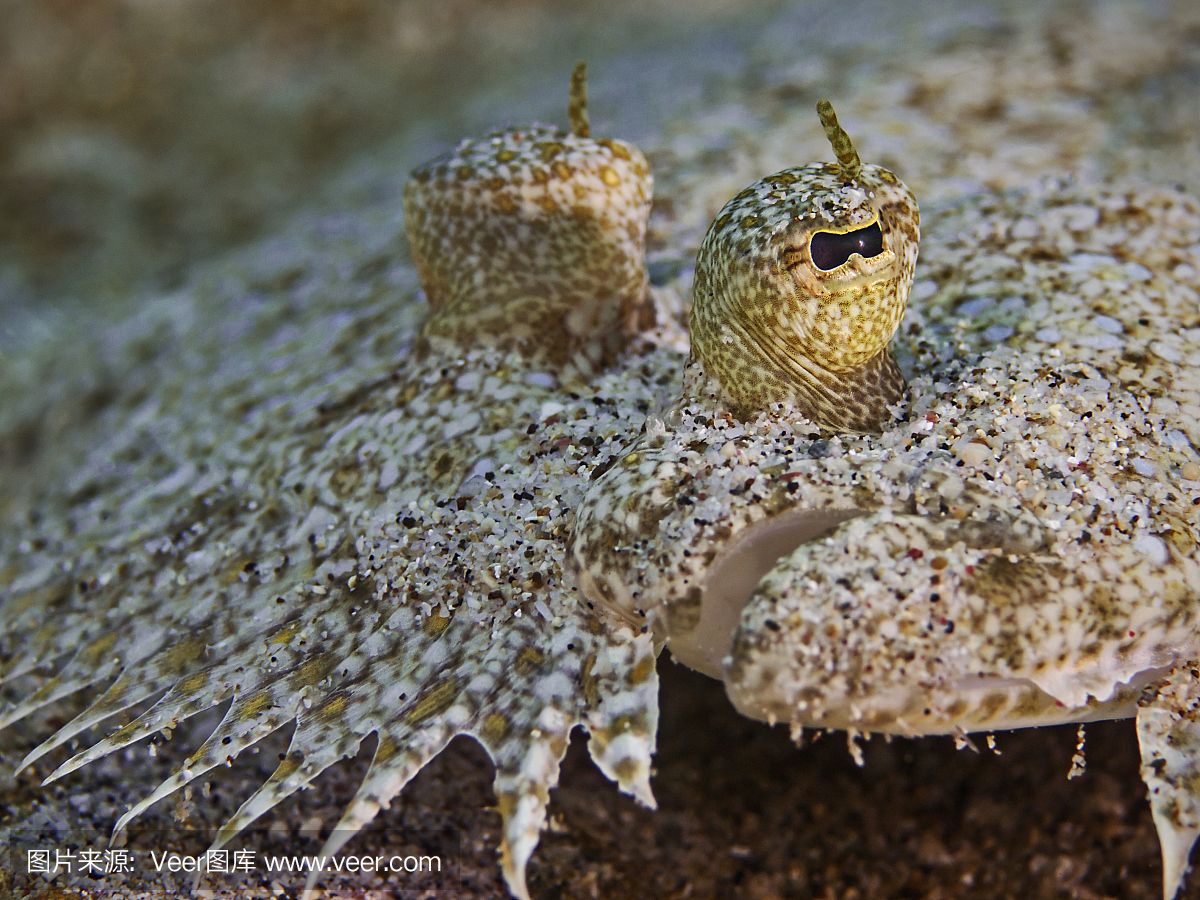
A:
843, 147
577, 111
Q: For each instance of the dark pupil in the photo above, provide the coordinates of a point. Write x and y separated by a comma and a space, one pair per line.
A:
831, 250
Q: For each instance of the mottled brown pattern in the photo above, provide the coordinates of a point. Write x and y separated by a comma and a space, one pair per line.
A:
772, 327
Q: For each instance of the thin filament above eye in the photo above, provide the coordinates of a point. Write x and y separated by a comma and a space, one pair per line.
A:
830, 250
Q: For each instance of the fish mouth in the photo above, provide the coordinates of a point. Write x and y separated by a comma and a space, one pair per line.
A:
734, 575
728, 633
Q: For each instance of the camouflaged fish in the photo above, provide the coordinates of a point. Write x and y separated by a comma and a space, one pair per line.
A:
364, 531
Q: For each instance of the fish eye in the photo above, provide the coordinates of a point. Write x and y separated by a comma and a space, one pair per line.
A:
830, 250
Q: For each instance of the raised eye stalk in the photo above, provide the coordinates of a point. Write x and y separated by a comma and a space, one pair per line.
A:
801, 283
532, 239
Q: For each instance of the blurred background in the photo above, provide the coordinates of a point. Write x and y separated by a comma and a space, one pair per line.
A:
137, 136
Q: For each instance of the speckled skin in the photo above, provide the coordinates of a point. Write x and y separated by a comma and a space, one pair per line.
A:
379, 556
771, 326
1018, 548
533, 239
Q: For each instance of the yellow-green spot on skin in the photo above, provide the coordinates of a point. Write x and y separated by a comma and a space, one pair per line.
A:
183, 655
97, 649
781, 178
288, 766
495, 728
529, 660
46, 631
628, 723
333, 710
627, 770
642, 671
590, 691
254, 705
285, 634
599, 738
990, 706
192, 684
436, 624
506, 803
43, 598
434, 701
125, 731
312, 671
1179, 535
234, 571
386, 749
617, 148
345, 479
506, 156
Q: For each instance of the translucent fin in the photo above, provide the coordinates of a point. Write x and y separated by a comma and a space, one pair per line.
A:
397, 761
121, 694
622, 720
203, 690
1168, 727
310, 753
523, 782
424, 707
95, 662
32, 630
247, 722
